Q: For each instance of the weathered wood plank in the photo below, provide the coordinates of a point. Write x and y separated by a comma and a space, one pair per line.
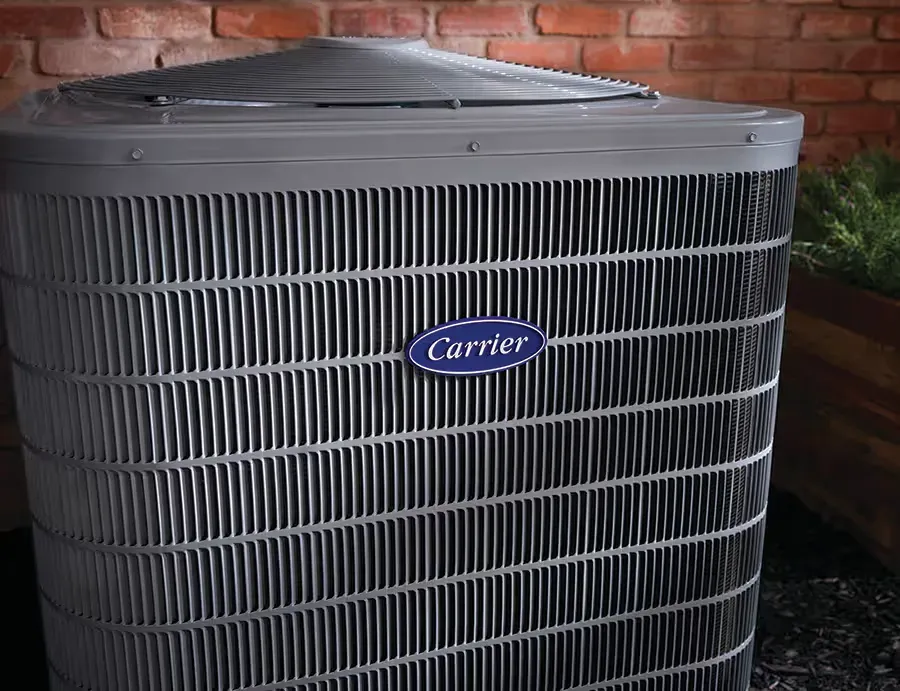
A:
829, 463
838, 430
863, 312
808, 380
845, 349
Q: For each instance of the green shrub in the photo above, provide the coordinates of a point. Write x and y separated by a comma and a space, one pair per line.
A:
847, 223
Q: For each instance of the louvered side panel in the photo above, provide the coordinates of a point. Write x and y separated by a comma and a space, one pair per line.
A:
223, 499
167, 331
238, 482
279, 411
153, 240
349, 640
650, 512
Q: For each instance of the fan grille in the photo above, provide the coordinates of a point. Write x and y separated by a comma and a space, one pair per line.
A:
360, 72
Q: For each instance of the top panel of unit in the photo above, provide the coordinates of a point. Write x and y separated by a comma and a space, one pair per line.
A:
343, 98
325, 72
354, 80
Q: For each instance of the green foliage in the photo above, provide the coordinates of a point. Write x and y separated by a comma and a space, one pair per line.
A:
847, 223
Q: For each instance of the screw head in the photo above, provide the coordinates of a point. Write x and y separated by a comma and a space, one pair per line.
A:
137, 154
474, 146
752, 137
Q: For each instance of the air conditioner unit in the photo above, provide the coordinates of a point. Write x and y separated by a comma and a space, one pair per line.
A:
371, 367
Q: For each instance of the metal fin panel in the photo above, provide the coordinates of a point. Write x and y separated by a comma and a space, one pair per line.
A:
238, 483
220, 499
141, 242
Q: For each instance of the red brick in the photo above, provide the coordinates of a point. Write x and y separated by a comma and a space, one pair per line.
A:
86, 57
873, 58
559, 54
10, 92
771, 22
886, 89
821, 150
684, 85
714, 2
813, 119
9, 54
889, 143
42, 21
378, 21
579, 20
802, 2
177, 53
880, 140
260, 21
861, 119
828, 88
467, 46
713, 55
756, 87
15, 85
156, 21
797, 55
835, 25
482, 20
678, 22
870, 3
611, 57
889, 27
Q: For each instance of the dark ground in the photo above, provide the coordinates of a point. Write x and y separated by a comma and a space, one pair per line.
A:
830, 614
829, 617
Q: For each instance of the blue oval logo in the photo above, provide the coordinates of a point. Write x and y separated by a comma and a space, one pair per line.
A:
478, 345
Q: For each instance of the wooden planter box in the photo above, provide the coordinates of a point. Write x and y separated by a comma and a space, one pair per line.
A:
837, 441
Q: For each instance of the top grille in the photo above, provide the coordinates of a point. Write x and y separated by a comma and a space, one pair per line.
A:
344, 72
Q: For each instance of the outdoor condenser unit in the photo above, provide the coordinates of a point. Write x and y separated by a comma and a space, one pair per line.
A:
371, 367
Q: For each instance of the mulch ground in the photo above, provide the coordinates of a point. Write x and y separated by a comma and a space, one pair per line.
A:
829, 614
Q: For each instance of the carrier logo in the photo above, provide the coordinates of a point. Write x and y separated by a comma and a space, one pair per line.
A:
478, 345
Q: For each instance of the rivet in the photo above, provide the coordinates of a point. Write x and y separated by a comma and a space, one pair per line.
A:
474, 146
752, 137
137, 154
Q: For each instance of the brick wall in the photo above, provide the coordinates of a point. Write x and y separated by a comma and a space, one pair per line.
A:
836, 60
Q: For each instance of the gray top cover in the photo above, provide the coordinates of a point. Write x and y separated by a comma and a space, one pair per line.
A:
367, 102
